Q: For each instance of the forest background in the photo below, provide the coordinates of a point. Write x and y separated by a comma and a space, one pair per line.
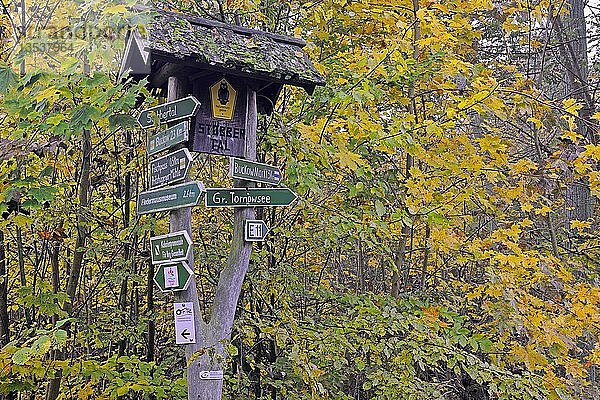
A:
445, 245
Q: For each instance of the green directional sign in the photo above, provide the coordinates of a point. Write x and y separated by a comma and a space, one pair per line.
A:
168, 138
170, 169
173, 276
170, 247
255, 230
169, 198
240, 197
253, 171
169, 112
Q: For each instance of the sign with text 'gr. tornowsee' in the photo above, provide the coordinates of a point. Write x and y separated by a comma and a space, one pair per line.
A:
241, 197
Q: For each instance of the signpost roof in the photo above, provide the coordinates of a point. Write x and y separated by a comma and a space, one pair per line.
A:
197, 44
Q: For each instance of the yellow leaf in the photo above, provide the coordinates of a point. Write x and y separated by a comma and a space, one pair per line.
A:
118, 9
526, 223
536, 122
580, 225
523, 165
543, 211
571, 106
572, 136
593, 151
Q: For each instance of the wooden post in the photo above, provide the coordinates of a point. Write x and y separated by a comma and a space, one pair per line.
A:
208, 353
181, 219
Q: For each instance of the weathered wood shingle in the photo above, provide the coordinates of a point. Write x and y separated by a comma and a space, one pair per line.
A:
202, 44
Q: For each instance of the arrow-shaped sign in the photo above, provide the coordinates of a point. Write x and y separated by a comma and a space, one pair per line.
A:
168, 138
169, 112
240, 197
170, 247
169, 198
255, 230
253, 171
173, 277
170, 169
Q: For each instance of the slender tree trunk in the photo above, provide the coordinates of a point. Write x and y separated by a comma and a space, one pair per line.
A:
400, 260
4, 321
150, 311
80, 242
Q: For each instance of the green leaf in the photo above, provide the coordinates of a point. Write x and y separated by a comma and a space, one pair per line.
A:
379, 208
42, 344
485, 345
82, 116
122, 390
22, 356
42, 193
8, 78
63, 321
121, 121
360, 364
61, 337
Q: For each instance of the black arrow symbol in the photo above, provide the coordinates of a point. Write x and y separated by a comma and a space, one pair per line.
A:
185, 334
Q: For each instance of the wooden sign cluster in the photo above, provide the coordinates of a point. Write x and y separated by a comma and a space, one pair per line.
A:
218, 120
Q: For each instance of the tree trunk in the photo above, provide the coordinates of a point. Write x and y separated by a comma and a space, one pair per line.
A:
4, 321
572, 38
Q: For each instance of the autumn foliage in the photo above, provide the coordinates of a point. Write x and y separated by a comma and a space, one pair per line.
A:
437, 251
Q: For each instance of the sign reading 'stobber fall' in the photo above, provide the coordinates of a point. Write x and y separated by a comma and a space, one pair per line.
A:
221, 122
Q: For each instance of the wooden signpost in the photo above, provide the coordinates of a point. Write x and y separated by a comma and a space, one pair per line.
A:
173, 276
255, 230
171, 247
169, 198
213, 105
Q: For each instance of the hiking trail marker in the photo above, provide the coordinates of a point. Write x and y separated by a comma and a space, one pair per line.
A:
253, 171
173, 276
241, 197
169, 198
255, 230
169, 169
169, 112
185, 331
171, 247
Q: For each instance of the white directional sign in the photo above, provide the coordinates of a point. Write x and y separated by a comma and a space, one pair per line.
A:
255, 230
185, 330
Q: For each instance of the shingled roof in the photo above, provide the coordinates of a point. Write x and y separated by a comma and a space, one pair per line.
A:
202, 44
